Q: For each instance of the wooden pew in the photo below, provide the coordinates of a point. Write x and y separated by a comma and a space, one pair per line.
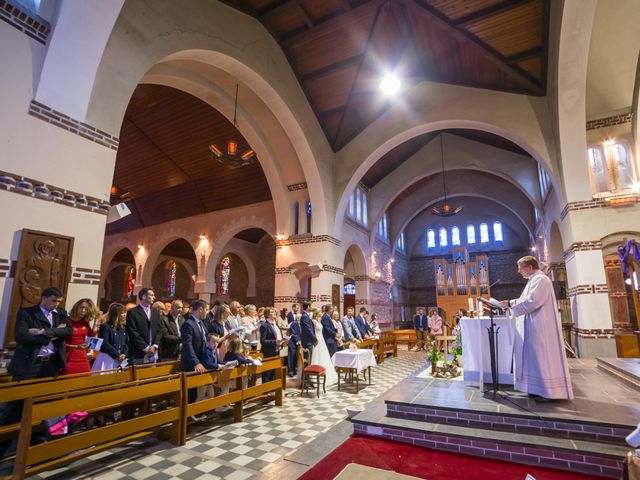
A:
25, 389
32, 459
407, 337
151, 370
388, 344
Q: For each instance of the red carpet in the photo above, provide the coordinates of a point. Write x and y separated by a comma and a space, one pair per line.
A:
423, 463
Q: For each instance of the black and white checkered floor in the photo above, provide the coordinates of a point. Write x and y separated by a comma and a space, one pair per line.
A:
220, 448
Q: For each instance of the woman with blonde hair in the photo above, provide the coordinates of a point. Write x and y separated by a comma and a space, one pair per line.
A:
82, 314
218, 329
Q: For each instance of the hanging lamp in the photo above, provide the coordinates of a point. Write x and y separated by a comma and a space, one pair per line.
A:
445, 209
232, 157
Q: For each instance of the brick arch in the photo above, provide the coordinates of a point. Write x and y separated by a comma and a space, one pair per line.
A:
251, 269
357, 252
154, 251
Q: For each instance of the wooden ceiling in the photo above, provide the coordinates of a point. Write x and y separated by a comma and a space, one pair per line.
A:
164, 170
396, 157
339, 49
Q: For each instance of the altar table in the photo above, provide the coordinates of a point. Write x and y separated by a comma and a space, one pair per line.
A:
475, 349
357, 361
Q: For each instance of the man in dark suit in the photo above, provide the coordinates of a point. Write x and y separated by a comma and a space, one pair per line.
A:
270, 341
362, 324
307, 331
291, 316
294, 343
170, 343
194, 339
421, 325
329, 332
40, 333
144, 328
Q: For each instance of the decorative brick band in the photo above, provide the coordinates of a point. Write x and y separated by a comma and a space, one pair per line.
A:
49, 115
37, 189
332, 269
585, 205
361, 278
28, 23
297, 186
609, 121
288, 299
595, 332
588, 289
362, 301
304, 239
324, 298
5, 267
85, 276
582, 247
283, 271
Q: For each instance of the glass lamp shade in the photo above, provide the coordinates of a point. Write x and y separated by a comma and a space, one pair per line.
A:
446, 210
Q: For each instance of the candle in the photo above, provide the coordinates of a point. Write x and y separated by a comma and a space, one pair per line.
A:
470, 304
480, 309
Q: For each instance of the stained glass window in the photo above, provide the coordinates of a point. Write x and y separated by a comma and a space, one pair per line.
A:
484, 233
598, 169
471, 234
349, 289
497, 231
308, 211
443, 237
129, 280
431, 239
171, 278
225, 274
455, 236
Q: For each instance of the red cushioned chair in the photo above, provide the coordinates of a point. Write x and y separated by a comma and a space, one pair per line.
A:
304, 358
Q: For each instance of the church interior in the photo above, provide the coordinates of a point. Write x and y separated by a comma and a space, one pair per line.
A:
418, 163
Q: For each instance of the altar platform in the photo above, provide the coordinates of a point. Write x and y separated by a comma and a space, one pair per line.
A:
583, 435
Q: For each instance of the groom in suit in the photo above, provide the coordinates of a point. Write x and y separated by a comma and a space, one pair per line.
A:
328, 330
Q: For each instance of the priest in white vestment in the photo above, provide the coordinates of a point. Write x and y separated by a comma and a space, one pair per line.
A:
540, 363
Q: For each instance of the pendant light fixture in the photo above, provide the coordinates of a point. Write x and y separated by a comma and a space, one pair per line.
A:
232, 157
445, 209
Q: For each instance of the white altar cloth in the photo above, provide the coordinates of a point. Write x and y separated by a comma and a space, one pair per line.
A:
475, 349
358, 360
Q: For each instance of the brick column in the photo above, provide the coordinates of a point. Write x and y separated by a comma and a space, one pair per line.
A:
588, 294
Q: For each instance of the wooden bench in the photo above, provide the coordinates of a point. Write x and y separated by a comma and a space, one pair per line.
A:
151, 370
32, 459
388, 345
407, 337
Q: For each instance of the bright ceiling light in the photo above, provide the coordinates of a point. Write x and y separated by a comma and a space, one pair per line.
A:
390, 84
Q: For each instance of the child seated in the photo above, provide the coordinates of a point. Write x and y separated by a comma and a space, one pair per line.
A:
235, 352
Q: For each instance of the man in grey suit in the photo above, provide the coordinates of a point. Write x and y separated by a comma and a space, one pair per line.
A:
349, 326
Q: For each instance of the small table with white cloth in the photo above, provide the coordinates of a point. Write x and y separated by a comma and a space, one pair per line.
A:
357, 361
476, 352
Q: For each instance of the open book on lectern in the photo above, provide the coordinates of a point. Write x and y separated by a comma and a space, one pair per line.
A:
492, 302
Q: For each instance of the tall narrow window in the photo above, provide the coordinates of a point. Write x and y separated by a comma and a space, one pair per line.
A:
171, 278
443, 237
385, 231
129, 280
624, 167
455, 236
358, 205
296, 218
497, 231
431, 238
365, 213
471, 234
543, 180
598, 166
225, 276
352, 205
484, 233
400, 242
307, 209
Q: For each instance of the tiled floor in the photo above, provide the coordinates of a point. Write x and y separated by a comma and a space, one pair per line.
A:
266, 443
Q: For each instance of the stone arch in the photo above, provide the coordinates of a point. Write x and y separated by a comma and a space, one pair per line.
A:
442, 108
154, 251
359, 259
226, 232
556, 249
110, 250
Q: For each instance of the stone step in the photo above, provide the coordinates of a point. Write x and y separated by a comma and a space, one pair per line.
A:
561, 453
525, 423
624, 369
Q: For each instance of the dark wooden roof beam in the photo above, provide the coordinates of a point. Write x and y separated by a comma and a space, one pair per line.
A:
326, 70
525, 55
489, 11
305, 15
487, 51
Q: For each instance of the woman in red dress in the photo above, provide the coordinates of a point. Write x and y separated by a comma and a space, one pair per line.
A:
81, 317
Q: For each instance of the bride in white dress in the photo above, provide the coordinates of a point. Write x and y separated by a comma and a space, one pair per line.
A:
320, 355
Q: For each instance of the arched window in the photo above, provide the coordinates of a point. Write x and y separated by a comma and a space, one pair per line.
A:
484, 233
349, 289
431, 238
382, 229
442, 234
624, 167
296, 218
365, 213
129, 281
455, 236
307, 210
598, 165
171, 278
358, 205
497, 231
225, 276
471, 234
352, 205
400, 242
